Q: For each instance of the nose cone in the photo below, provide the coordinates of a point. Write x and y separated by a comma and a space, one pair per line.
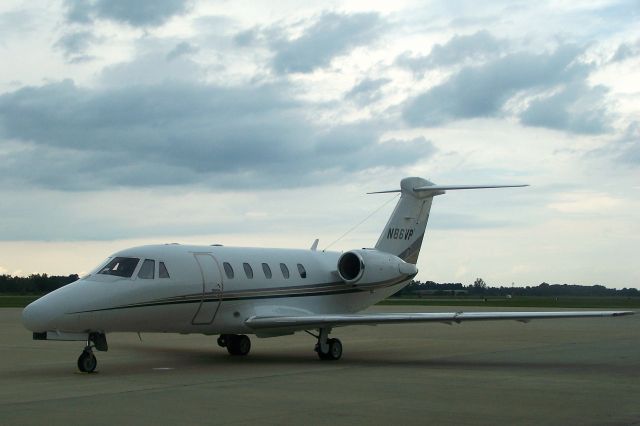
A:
37, 316
60, 309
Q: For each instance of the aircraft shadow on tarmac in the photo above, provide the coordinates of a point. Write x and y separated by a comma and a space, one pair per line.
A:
138, 358
208, 359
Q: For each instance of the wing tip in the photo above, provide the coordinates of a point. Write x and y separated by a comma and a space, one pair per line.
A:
623, 313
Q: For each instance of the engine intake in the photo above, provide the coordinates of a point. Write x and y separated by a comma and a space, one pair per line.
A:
350, 267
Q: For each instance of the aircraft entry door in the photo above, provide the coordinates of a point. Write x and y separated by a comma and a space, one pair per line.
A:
211, 289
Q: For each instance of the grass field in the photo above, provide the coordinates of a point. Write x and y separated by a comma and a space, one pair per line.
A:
523, 302
16, 301
20, 301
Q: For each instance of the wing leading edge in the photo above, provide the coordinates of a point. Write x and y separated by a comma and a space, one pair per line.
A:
318, 321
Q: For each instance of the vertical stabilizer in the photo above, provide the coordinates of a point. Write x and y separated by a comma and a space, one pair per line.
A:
405, 229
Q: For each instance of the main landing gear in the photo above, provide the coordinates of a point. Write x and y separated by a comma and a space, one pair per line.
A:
236, 344
87, 361
327, 349
239, 344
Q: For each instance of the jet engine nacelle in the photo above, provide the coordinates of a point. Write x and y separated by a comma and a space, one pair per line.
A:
373, 267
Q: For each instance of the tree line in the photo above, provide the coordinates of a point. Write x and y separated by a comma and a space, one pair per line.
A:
43, 283
34, 283
480, 288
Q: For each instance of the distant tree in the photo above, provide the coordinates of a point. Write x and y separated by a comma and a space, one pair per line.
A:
479, 285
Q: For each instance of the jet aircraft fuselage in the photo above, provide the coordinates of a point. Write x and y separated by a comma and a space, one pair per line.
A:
209, 290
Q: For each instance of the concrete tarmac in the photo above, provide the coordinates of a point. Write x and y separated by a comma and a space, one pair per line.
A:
555, 372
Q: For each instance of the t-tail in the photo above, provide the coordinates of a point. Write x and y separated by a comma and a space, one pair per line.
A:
405, 229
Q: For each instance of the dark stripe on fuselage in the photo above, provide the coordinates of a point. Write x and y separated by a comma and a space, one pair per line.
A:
324, 289
217, 299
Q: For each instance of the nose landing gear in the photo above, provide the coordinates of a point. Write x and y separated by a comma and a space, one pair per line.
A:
87, 361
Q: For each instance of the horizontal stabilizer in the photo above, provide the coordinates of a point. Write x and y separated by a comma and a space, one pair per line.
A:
436, 188
305, 322
452, 187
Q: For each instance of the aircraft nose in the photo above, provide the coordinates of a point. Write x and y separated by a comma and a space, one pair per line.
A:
37, 316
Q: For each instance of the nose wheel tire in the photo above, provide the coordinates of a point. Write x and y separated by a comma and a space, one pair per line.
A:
238, 344
87, 362
335, 350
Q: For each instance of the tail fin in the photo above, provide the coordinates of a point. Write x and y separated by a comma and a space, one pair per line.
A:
405, 229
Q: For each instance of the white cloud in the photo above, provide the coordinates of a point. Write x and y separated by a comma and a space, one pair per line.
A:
207, 110
585, 202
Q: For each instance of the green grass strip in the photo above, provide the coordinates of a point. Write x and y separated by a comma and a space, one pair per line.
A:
16, 301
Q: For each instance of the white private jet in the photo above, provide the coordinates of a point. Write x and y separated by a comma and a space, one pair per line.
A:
235, 291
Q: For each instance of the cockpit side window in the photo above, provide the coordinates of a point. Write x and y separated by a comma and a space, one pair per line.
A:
120, 267
147, 270
162, 271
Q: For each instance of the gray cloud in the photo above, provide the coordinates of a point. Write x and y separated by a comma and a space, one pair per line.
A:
74, 46
183, 133
482, 91
575, 108
246, 38
80, 11
142, 13
367, 90
626, 51
623, 148
15, 23
330, 36
628, 146
153, 66
182, 49
460, 48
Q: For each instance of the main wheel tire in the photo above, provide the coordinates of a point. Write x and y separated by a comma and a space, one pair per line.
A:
87, 362
244, 345
238, 344
222, 341
335, 349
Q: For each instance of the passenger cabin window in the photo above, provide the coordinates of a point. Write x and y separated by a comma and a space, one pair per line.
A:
302, 271
267, 271
147, 270
285, 270
247, 270
228, 270
162, 271
120, 267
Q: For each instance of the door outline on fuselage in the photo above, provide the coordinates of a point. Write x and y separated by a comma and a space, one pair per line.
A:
206, 315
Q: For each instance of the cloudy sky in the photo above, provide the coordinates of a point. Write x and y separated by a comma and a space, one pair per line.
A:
265, 123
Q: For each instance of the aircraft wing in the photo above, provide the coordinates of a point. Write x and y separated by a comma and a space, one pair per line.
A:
305, 322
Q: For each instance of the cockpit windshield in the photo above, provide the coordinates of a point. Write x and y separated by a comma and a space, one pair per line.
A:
120, 266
